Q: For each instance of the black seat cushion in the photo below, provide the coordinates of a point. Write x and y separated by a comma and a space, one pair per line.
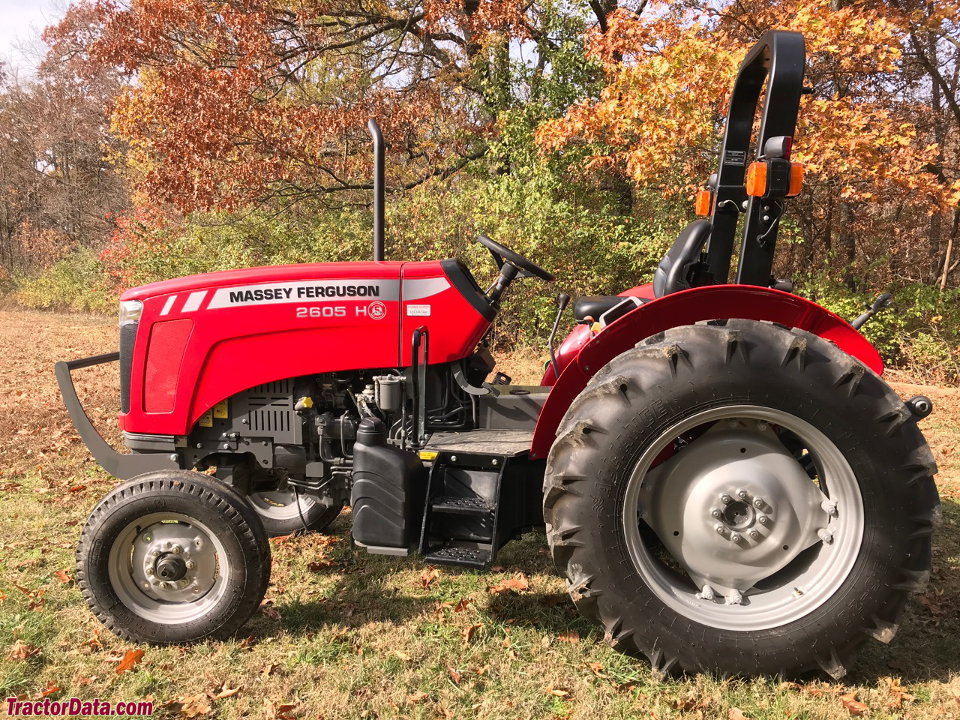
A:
673, 273
595, 305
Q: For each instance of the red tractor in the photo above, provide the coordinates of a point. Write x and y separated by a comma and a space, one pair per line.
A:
726, 482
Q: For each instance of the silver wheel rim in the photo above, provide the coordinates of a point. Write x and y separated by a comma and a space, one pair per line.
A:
747, 539
280, 504
147, 557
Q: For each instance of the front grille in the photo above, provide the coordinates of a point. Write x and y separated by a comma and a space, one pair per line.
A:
128, 335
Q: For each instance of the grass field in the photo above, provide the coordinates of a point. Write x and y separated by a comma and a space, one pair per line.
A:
347, 635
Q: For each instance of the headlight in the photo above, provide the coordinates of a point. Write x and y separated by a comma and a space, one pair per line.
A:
130, 312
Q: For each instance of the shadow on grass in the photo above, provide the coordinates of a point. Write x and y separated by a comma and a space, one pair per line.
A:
927, 646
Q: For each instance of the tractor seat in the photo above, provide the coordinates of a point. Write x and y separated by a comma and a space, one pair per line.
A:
595, 305
673, 273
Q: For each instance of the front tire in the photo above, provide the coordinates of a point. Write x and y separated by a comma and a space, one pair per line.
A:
173, 557
740, 498
280, 515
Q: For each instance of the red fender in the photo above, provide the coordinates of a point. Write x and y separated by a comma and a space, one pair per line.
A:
714, 302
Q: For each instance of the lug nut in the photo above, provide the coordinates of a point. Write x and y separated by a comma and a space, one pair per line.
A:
734, 597
758, 503
829, 507
763, 520
706, 593
151, 571
825, 535
716, 513
719, 529
754, 534
177, 550
736, 537
191, 565
147, 538
726, 499
762, 426
742, 494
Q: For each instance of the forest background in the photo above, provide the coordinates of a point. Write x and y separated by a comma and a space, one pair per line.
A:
164, 137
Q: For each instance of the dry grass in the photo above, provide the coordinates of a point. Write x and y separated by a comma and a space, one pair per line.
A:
362, 636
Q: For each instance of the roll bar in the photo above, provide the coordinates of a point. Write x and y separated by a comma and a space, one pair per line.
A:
777, 61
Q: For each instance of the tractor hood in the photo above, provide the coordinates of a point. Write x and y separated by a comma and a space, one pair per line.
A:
203, 338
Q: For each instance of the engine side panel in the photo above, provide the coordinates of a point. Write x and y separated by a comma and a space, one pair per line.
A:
686, 308
256, 326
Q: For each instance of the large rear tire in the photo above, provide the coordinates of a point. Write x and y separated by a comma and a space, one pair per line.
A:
740, 498
173, 557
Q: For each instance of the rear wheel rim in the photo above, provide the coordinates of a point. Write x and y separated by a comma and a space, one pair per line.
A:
281, 504
168, 568
681, 560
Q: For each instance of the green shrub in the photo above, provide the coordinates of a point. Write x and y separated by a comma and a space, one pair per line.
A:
76, 283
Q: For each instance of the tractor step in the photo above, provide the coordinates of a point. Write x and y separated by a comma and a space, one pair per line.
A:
482, 491
461, 505
459, 552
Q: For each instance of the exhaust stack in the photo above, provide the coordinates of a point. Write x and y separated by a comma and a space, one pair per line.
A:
378, 189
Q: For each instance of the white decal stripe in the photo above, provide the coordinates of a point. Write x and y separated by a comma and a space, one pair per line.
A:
306, 291
421, 288
168, 305
193, 302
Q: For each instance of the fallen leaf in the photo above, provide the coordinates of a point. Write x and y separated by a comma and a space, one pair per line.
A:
280, 539
21, 651
63, 577
192, 706
897, 694
269, 670
518, 583
571, 637
468, 633
736, 714
320, 565
78, 488
248, 642
416, 697
129, 660
597, 669
462, 605
273, 711
429, 576
94, 642
225, 692
853, 706
454, 675
51, 689
557, 692
268, 610
402, 655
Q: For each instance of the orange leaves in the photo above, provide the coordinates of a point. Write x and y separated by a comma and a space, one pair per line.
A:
668, 75
129, 660
429, 576
518, 584
21, 650
852, 705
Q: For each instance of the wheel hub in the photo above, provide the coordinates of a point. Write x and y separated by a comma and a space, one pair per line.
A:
733, 508
174, 562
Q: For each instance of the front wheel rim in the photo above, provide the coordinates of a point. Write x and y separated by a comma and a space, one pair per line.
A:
168, 568
748, 492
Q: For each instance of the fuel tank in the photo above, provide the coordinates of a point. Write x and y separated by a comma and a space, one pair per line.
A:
203, 338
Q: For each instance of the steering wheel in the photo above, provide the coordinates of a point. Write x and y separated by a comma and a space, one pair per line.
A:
503, 254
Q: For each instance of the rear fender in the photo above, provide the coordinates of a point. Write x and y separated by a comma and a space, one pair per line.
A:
714, 302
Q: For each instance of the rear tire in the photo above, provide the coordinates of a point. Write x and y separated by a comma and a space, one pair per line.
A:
804, 401
173, 557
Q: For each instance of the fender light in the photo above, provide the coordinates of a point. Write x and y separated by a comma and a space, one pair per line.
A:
704, 202
774, 178
130, 311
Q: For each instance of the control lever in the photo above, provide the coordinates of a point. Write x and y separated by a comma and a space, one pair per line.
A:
883, 301
562, 300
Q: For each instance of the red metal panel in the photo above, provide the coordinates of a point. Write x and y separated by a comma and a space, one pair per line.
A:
260, 325
716, 302
454, 326
168, 340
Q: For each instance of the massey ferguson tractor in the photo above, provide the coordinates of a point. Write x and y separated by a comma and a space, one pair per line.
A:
725, 481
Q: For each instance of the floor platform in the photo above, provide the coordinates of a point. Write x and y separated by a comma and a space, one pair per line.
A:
507, 443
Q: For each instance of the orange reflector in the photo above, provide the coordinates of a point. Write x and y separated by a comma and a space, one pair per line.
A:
757, 179
704, 202
796, 179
